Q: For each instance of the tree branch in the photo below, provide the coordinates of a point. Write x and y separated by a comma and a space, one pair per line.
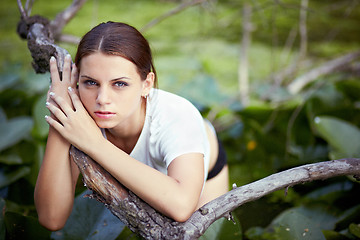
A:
170, 13
243, 68
41, 34
28, 6
328, 67
145, 221
21, 10
61, 19
303, 29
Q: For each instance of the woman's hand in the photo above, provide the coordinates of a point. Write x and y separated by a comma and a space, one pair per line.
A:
69, 78
72, 121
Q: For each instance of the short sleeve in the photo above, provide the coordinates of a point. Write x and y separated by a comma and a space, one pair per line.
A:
184, 134
177, 128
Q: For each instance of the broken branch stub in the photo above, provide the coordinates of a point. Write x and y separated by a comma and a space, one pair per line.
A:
36, 30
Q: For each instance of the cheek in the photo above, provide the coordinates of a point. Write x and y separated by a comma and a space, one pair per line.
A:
85, 97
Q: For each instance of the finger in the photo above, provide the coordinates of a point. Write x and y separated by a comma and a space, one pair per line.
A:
54, 72
74, 76
54, 124
75, 99
57, 113
64, 106
67, 68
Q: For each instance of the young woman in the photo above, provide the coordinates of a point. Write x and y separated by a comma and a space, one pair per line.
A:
155, 143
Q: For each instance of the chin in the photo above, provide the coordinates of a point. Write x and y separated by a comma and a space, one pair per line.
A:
102, 124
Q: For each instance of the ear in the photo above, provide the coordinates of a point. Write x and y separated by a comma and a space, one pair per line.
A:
148, 83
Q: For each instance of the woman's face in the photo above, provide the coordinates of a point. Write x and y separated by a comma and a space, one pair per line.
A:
111, 89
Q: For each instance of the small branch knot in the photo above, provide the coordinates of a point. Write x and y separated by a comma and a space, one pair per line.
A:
204, 211
24, 25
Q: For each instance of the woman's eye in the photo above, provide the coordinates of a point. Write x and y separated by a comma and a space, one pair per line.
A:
120, 84
90, 83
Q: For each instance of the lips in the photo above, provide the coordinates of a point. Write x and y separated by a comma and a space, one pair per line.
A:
104, 114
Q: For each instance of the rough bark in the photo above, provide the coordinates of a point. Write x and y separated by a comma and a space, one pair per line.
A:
147, 222
41, 34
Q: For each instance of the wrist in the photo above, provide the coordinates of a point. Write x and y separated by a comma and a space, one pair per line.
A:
95, 147
54, 135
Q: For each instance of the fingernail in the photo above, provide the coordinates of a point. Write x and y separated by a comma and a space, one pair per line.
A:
46, 117
47, 103
52, 59
68, 56
52, 94
70, 89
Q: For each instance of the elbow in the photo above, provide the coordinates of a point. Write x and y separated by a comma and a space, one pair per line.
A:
51, 223
182, 211
182, 216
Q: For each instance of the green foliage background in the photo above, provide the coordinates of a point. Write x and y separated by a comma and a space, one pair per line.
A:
196, 54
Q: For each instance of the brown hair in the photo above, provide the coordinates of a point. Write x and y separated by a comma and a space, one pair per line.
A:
118, 39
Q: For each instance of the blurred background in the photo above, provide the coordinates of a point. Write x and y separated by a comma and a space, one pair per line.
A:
280, 81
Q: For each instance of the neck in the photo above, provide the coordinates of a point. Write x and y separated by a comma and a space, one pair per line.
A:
126, 136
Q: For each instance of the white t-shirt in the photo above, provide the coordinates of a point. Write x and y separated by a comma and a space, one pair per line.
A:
172, 127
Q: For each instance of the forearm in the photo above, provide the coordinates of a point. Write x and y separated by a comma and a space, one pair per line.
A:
164, 193
55, 186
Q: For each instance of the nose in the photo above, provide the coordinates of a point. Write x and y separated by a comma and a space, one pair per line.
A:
103, 96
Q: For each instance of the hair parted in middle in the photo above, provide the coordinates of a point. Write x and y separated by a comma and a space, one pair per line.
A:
120, 39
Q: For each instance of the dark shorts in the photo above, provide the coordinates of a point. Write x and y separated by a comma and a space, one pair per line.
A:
220, 162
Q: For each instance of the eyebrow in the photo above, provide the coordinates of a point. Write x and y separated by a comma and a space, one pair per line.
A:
112, 80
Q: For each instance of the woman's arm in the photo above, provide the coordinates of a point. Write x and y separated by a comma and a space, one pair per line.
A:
175, 195
55, 186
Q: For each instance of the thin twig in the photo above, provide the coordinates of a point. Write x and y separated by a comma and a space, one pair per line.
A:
28, 6
21, 9
69, 39
170, 13
303, 29
243, 69
64, 17
328, 67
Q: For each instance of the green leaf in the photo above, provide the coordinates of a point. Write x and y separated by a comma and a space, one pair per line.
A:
295, 224
127, 234
24, 227
36, 164
348, 216
350, 88
89, 220
355, 229
330, 193
14, 130
8, 80
39, 111
342, 136
254, 233
332, 235
210, 95
11, 159
223, 229
6, 178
